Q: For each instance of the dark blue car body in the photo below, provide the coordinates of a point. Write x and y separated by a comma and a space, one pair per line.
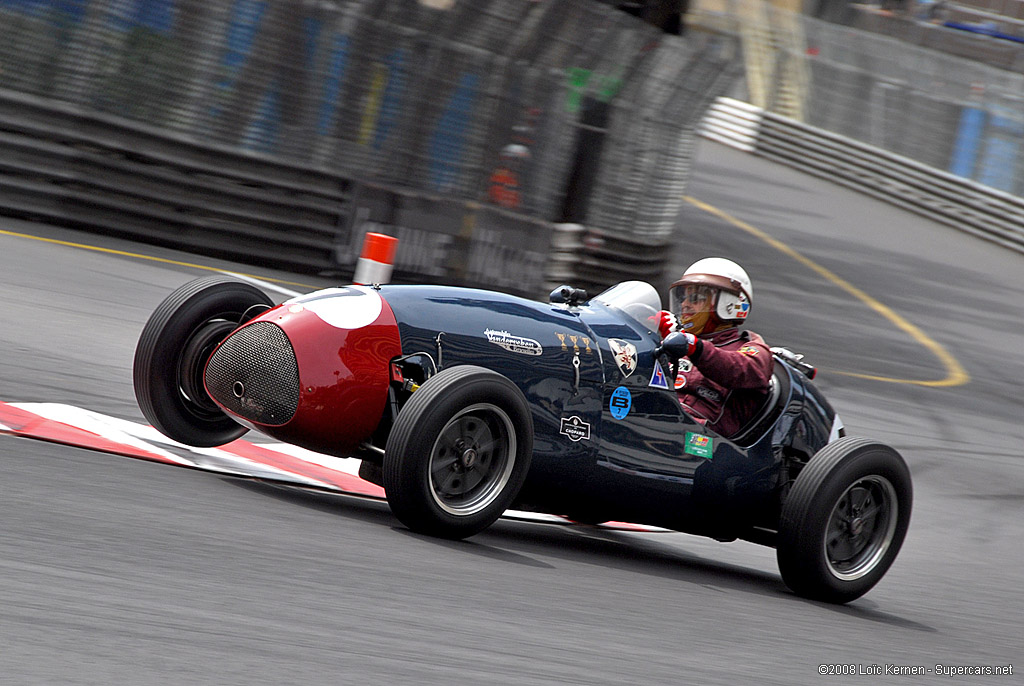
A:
610, 445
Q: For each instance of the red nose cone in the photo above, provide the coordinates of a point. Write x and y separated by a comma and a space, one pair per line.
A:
334, 394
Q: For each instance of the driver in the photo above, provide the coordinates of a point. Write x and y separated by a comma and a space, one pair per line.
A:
723, 372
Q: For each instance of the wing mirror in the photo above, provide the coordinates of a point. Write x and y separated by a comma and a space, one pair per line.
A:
567, 295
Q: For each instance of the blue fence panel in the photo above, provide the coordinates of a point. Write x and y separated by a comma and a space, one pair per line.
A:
157, 15
392, 101
71, 9
246, 17
968, 142
334, 79
449, 139
998, 166
262, 133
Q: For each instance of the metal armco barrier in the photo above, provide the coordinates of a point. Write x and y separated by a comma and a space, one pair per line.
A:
961, 203
65, 165
732, 122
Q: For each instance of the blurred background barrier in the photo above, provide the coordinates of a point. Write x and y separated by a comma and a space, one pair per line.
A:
922, 127
965, 204
63, 164
278, 131
958, 115
734, 123
511, 144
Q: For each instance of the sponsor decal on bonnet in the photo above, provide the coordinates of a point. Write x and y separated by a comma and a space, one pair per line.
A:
625, 355
513, 344
620, 402
575, 428
699, 445
658, 378
576, 340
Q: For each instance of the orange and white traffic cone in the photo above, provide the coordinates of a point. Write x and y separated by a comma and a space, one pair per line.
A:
377, 261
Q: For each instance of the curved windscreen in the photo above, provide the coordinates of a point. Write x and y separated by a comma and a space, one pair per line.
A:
636, 299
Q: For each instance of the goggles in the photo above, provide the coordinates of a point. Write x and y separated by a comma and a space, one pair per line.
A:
691, 293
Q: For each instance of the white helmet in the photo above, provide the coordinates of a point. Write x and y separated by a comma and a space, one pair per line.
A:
735, 294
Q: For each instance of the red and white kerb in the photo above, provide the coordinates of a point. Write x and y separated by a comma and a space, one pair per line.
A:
377, 260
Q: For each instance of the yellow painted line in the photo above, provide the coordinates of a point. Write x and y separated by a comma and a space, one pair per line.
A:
149, 258
956, 375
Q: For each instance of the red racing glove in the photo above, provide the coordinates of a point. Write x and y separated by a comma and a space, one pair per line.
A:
667, 323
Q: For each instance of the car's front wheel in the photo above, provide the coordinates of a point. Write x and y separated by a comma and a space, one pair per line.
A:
458, 453
844, 520
172, 352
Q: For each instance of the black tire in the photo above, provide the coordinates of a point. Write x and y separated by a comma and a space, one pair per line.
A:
458, 453
172, 353
844, 520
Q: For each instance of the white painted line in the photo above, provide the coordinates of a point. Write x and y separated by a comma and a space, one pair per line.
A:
110, 428
347, 465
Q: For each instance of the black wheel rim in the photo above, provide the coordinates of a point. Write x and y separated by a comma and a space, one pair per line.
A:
861, 528
472, 460
192, 363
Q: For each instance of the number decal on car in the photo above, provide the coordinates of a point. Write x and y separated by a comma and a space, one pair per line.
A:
620, 403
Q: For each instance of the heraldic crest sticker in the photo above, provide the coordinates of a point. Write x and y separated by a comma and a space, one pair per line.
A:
624, 354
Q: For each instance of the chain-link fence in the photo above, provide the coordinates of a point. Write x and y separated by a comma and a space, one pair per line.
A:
646, 159
987, 35
955, 114
481, 100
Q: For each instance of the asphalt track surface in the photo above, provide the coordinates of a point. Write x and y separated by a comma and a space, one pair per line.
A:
119, 571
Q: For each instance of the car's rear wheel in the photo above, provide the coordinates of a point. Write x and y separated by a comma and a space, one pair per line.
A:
172, 352
844, 520
458, 453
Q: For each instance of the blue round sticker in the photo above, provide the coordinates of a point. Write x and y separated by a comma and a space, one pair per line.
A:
621, 402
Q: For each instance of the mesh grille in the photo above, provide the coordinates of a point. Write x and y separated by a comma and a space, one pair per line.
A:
254, 375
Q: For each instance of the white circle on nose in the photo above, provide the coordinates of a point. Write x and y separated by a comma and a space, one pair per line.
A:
351, 307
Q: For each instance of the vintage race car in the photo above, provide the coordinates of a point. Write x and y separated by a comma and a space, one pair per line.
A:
463, 403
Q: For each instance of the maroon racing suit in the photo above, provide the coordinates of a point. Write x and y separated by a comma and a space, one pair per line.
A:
724, 383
